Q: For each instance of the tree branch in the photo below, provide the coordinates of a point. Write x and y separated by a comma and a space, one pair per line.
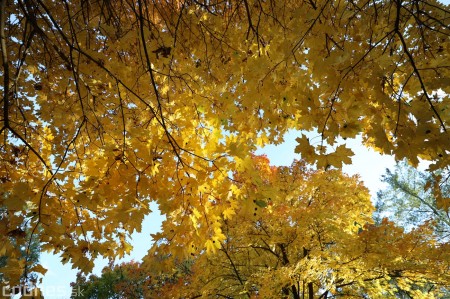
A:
234, 268
413, 64
5, 63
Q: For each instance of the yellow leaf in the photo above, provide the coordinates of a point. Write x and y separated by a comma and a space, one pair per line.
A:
211, 247
39, 269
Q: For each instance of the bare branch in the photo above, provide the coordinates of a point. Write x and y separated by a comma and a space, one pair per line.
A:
5, 63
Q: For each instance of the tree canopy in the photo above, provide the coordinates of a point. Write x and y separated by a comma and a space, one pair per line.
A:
110, 105
312, 238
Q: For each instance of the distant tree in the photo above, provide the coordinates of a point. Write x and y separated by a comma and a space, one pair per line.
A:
106, 285
409, 199
127, 280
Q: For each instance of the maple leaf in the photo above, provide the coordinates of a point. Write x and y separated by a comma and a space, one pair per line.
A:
228, 213
210, 246
340, 156
306, 149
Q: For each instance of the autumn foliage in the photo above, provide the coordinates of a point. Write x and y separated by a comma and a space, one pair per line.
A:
108, 106
298, 234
